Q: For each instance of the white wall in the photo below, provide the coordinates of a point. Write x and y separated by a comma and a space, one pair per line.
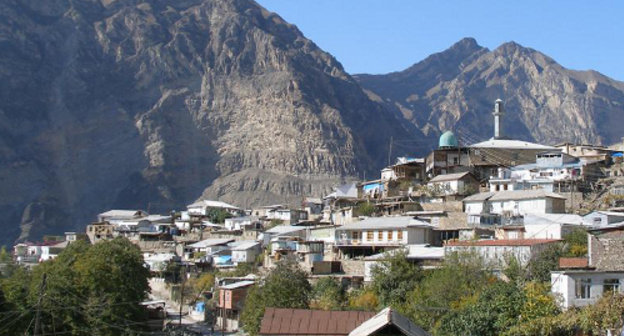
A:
563, 286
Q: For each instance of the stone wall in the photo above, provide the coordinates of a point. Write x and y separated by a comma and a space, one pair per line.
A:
353, 267
606, 250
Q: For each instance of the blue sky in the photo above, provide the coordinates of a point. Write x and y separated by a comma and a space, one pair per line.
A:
382, 36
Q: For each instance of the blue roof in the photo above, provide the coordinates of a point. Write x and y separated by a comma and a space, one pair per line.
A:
447, 139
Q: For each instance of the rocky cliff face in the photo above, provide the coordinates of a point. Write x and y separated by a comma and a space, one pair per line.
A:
456, 89
144, 104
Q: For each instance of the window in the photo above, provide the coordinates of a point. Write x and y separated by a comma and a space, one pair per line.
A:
504, 187
369, 235
611, 285
400, 235
583, 288
355, 235
379, 235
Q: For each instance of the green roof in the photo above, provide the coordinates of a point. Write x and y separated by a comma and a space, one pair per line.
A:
447, 139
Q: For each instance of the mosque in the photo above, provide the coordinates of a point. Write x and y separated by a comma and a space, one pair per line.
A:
484, 158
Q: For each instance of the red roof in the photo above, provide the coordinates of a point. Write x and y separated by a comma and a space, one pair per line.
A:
573, 262
281, 321
502, 242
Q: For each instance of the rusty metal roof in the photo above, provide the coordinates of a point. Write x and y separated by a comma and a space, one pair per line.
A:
283, 321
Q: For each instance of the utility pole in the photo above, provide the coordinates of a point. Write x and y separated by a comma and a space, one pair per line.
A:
183, 272
390, 150
38, 315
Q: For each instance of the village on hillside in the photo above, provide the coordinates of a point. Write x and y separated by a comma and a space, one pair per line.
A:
501, 198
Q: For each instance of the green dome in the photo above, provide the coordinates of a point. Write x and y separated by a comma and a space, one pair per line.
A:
447, 140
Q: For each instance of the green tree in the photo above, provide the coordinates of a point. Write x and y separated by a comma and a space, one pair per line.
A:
329, 294
99, 288
394, 277
547, 260
365, 209
363, 299
576, 243
453, 285
217, 216
286, 286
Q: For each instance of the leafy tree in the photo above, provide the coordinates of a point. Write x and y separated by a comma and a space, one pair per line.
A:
99, 288
286, 286
364, 299
540, 266
394, 278
217, 216
365, 209
576, 243
328, 294
452, 286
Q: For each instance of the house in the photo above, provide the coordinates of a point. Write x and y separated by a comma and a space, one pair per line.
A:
603, 218
313, 206
283, 231
551, 226
117, 216
242, 223
101, 231
30, 254
207, 247
482, 207
586, 152
457, 184
494, 252
287, 216
230, 305
202, 208
577, 288
377, 234
245, 252
305, 322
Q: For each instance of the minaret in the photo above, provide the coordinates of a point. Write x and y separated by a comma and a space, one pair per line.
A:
498, 122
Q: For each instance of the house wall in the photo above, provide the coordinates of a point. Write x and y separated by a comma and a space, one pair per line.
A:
494, 256
563, 286
606, 250
473, 208
545, 231
246, 256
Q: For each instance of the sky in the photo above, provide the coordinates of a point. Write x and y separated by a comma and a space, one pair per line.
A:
383, 36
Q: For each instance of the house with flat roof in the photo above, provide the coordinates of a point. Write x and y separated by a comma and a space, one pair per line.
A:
496, 251
378, 234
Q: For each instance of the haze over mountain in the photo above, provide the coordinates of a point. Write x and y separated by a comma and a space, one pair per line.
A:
154, 104
455, 89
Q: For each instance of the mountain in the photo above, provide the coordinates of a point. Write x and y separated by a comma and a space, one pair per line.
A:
545, 102
152, 104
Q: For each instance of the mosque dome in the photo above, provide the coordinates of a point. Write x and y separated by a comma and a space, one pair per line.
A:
447, 140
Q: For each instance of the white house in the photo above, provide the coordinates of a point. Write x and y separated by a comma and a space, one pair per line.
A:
118, 216
577, 288
201, 208
245, 252
209, 246
495, 252
380, 233
512, 203
454, 184
603, 218
551, 226
241, 223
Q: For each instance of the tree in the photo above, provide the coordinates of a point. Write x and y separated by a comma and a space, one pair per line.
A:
576, 243
99, 287
394, 278
547, 260
452, 286
364, 299
365, 209
217, 216
286, 286
328, 294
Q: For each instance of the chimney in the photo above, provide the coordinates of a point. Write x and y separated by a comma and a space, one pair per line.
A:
498, 114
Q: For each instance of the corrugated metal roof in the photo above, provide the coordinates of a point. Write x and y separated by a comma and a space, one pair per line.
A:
213, 204
448, 177
388, 317
512, 195
510, 144
502, 242
211, 242
122, 213
245, 245
281, 321
389, 222
573, 262
240, 284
